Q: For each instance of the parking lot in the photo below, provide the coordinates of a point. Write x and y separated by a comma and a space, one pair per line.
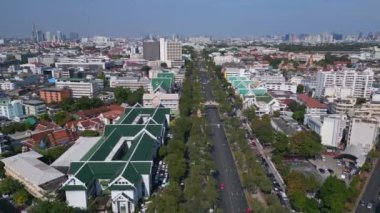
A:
342, 168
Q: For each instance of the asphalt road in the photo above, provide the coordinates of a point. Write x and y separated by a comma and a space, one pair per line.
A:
232, 197
371, 193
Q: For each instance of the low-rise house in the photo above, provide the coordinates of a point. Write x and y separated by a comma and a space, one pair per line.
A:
77, 126
313, 106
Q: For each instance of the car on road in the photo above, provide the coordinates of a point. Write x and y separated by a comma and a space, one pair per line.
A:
323, 171
221, 186
362, 203
369, 205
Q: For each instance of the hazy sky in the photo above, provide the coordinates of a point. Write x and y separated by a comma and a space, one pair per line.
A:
190, 17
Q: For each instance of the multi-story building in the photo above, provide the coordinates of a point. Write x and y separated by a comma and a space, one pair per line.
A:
170, 101
329, 127
342, 106
56, 95
368, 110
170, 50
12, 109
281, 87
151, 50
7, 85
359, 82
131, 82
79, 87
362, 136
34, 107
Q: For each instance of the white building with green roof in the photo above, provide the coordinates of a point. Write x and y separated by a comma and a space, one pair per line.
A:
253, 95
120, 163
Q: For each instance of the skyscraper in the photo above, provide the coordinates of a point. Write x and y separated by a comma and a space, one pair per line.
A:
74, 36
48, 36
40, 36
59, 36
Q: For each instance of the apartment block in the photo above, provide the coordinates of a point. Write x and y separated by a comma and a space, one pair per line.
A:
55, 95
358, 83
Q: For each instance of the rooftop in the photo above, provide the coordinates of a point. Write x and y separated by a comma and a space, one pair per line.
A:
310, 102
27, 165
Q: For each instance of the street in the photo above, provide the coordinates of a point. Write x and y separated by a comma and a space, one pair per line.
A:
371, 193
232, 197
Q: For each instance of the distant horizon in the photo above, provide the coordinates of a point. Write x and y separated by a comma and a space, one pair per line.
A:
189, 36
216, 18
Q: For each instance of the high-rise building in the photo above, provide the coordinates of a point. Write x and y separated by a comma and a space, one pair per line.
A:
174, 50
162, 49
151, 50
40, 36
59, 36
170, 50
48, 36
74, 36
359, 83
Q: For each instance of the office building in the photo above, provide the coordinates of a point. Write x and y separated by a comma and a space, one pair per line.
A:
151, 50
55, 95
359, 83
80, 87
34, 107
121, 165
12, 109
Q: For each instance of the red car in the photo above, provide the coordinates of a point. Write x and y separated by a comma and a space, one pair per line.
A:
221, 186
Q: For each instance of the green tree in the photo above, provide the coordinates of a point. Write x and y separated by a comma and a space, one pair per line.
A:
89, 133
45, 117
21, 197
164, 65
250, 113
334, 194
306, 144
300, 88
122, 94
9, 186
51, 207
301, 203
146, 69
2, 170
62, 117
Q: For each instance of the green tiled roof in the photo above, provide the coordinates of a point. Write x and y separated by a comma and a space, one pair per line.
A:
165, 75
265, 99
166, 83
121, 187
132, 159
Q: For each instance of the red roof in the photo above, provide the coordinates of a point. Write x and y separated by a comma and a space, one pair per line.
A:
310, 102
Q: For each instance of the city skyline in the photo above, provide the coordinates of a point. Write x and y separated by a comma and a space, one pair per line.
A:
240, 18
